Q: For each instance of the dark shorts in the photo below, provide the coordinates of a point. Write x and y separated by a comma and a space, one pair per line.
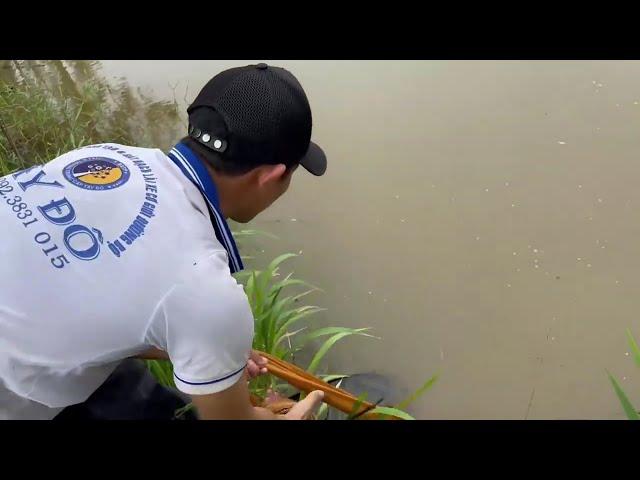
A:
130, 393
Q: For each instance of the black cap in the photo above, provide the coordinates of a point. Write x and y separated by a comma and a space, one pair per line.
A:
256, 115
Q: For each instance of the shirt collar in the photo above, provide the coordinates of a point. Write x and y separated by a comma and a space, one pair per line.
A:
193, 168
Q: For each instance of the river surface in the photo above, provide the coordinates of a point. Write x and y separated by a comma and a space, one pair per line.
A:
480, 216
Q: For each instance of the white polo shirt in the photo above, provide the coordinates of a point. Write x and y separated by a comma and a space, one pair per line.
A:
106, 251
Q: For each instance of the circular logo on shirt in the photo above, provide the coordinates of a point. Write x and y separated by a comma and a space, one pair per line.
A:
97, 173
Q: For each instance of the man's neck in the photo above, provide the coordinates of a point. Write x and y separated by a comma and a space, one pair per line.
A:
222, 187
225, 187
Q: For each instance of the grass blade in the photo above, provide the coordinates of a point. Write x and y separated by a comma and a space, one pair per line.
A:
279, 259
634, 347
295, 315
321, 332
261, 280
286, 336
356, 406
391, 411
323, 412
251, 233
242, 275
307, 292
330, 378
631, 412
262, 330
162, 371
275, 307
322, 351
179, 413
275, 290
287, 282
415, 395
250, 289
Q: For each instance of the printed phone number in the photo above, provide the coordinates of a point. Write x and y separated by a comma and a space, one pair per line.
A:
22, 212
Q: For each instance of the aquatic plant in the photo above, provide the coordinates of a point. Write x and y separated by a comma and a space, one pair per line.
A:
627, 406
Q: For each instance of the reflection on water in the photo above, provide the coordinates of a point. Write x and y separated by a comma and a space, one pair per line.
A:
480, 216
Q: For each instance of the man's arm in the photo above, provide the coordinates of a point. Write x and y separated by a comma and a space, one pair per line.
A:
234, 403
230, 404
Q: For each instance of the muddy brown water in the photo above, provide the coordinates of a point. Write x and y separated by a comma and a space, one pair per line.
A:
478, 215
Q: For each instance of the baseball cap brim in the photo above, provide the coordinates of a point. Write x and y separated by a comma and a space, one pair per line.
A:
314, 161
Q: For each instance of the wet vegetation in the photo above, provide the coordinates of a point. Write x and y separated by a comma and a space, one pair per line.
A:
629, 409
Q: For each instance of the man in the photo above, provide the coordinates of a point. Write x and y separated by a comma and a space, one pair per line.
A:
111, 252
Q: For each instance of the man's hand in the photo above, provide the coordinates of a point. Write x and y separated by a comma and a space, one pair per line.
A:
256, 364
234, 404
304, 409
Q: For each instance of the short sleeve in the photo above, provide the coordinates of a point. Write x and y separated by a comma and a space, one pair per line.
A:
206, 326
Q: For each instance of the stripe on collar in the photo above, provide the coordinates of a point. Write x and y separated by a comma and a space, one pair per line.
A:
193, 168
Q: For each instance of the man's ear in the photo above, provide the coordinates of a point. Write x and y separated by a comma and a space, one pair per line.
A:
270, 173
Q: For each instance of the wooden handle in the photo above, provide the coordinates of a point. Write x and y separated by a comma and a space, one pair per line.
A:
304, 381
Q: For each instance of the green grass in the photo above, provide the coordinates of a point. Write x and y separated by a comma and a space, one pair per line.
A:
49, 108
627, 406
278, 320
